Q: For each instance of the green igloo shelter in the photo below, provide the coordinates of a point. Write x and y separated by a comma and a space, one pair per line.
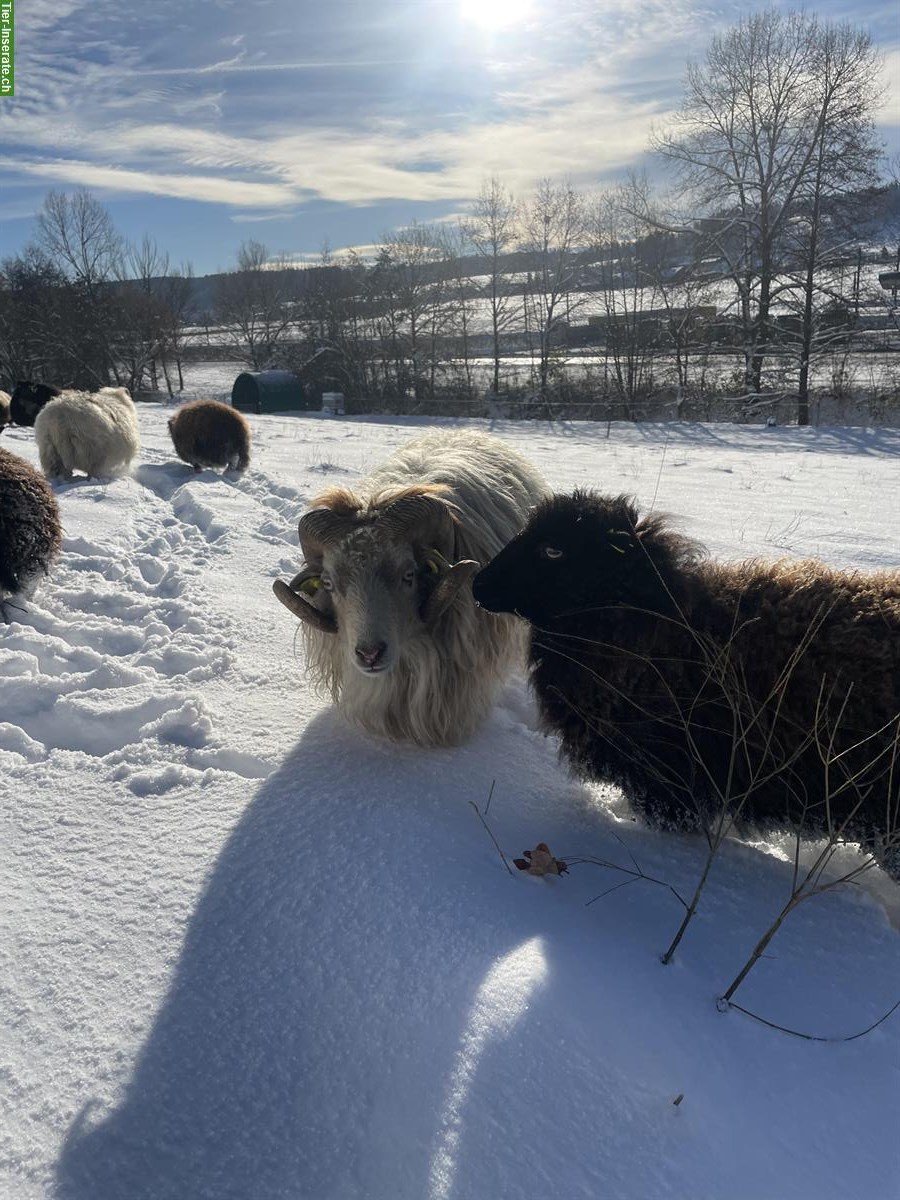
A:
268, 392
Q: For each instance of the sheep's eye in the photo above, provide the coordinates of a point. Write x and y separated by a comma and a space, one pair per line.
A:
409, 577
550, 552
326, 583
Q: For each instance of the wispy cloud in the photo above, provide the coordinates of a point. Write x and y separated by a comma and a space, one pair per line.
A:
345, 106
241, 218
188, 187
239, 66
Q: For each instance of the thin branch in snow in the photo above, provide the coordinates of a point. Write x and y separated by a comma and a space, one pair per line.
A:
724, 1005
490, 834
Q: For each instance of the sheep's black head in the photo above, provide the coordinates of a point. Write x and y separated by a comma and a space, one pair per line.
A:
581, 554
28, 399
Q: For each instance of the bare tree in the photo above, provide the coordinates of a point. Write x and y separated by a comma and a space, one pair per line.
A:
627, 291
462, 301
407, 289
755, 118
254, 303
177, 292
553, 233
492, 231
140, 330
843, 95
33, 314
77, 235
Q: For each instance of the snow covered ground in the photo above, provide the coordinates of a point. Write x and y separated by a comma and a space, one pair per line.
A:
247, 953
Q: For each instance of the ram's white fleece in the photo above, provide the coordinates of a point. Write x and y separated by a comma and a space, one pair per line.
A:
446, 678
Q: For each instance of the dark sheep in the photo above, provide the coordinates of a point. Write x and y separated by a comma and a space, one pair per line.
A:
30, 533
206, 433
28, 399
694, 684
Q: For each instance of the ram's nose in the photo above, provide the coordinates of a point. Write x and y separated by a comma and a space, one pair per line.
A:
369, 657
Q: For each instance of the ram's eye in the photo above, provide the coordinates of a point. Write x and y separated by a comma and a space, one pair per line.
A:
326, 583
551, 552
409, 577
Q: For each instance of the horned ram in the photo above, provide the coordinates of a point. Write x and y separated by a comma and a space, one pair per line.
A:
391, 629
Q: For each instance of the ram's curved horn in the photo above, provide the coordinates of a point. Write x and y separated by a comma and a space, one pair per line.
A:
425, 519
321, 527
452, 581
291, 597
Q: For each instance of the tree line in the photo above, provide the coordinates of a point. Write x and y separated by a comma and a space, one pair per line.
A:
739, 275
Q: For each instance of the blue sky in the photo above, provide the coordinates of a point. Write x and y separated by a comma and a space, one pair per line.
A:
300, 122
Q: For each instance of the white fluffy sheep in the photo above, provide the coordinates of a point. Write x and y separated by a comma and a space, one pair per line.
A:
94, 432
390, 625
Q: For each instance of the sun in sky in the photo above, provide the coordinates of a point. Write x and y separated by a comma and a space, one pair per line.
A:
495, 14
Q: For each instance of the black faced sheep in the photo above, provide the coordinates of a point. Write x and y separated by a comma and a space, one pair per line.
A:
30, 535
206, 433
693, 684
28, 399
94, 432
390, 625
4, 409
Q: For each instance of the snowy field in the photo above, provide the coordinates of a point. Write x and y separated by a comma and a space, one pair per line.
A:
249, 954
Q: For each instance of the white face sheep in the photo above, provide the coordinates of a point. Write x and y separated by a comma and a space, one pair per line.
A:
389, 621
94, 432
30, 534
696, 684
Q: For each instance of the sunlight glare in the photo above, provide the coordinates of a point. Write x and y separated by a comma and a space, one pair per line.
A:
495, 14
500, 1003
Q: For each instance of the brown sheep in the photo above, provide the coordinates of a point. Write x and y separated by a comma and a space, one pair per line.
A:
206, 433
695, 683
30, 534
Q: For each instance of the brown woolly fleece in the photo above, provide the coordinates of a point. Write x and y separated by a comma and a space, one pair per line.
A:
30, 534
206, 433
692, 683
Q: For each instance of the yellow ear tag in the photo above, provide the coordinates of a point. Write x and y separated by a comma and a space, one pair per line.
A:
311, 585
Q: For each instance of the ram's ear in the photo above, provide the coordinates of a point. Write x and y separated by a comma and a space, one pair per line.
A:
449, 582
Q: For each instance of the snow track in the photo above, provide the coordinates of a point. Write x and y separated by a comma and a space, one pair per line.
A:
104, 661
